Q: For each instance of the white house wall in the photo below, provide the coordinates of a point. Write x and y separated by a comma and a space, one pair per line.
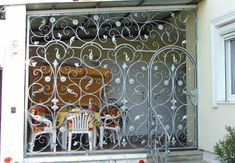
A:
3, 41
13, 41
211, 120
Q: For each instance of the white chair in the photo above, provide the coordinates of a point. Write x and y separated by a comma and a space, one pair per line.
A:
110, 123
41, 126
81, 122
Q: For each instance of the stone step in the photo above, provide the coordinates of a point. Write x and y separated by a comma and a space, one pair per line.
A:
195, 161
188, 155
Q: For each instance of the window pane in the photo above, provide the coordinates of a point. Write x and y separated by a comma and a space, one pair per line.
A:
233, 66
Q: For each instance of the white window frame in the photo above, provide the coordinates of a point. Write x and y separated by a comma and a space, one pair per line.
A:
222, 29
230, 95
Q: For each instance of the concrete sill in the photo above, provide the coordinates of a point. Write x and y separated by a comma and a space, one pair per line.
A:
86, 158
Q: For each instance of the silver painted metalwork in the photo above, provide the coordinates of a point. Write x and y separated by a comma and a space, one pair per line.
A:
137, 64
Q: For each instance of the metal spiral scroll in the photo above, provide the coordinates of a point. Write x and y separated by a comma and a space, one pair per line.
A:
142, 69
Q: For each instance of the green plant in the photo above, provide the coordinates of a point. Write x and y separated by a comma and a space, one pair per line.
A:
225, 148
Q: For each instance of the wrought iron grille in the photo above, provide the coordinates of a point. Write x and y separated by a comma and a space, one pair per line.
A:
133, 75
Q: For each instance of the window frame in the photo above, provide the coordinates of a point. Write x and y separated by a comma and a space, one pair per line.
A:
228, 53
222, 29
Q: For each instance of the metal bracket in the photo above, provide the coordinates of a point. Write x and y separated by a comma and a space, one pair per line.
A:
2, 12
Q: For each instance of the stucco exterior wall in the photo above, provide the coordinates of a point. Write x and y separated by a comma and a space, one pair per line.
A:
212, 121
12, 127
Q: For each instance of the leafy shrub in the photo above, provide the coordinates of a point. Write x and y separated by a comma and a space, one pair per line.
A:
225, 148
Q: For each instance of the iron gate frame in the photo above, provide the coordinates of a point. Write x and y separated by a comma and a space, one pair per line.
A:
118, 10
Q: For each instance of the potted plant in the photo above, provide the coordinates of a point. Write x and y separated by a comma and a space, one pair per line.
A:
225, 148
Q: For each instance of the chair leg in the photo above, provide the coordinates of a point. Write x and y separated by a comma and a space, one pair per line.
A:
69, 141
118, 137
101, 136
94, 138
53, 142
64, 138
113, 136
90, 137
31, 143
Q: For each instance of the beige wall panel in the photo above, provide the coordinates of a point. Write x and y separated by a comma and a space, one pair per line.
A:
212, 121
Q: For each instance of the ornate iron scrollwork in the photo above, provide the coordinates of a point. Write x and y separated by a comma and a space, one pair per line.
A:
135, 65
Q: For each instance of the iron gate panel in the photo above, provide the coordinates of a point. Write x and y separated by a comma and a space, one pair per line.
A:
133, 73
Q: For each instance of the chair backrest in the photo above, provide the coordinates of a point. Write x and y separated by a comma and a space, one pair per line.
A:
111, 116
38, 123
80, 120
29, 118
